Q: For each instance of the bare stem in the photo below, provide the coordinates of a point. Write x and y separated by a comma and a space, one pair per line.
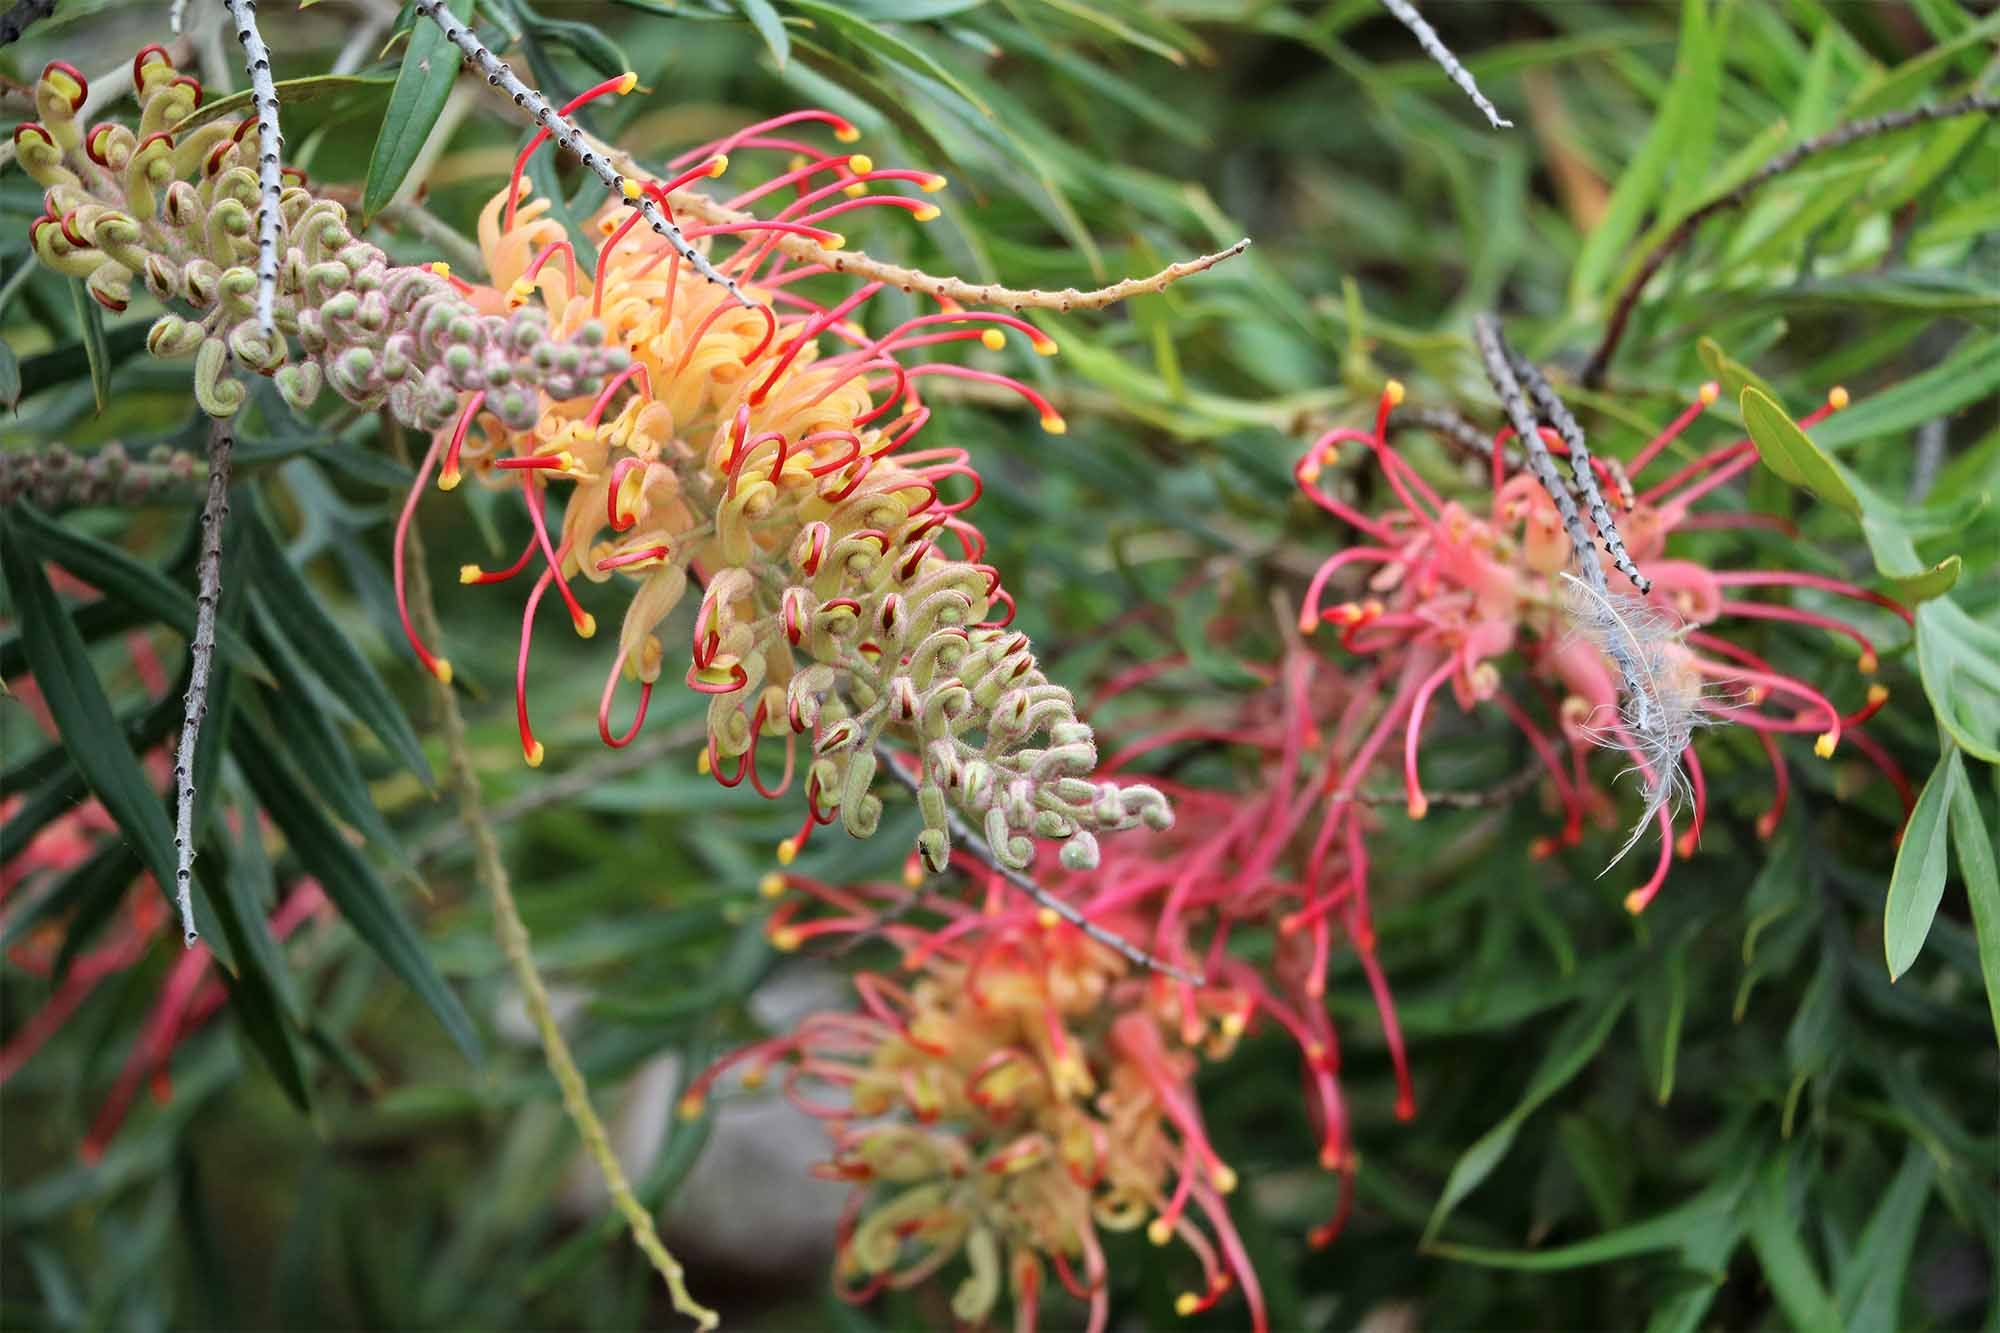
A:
491, 871
963, 835
1558, 415
801, 249
16, 20
1838, 137
270, 181
208, 593
1434, 47
572, 138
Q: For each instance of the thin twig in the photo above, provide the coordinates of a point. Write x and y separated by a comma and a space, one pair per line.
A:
201, 653
1558, 415
270, 180
571, 137
16, 20
802, 249
1838, 137
491, 871
962, 834
1434, 47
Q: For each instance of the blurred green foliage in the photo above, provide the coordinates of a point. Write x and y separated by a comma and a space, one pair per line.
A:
1720, 1114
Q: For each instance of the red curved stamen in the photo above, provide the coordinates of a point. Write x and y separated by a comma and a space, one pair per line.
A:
604, 708
437, 666
586, 624
621, 85
531, 749
1651, 450
1758, 578
807, 333
449, 478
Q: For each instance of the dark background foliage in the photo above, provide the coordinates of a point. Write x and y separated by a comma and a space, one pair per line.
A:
1721, 1114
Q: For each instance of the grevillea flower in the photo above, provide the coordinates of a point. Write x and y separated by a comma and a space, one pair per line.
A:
1450, 592
763, 454
1023, 1093
174, 203
1005, 997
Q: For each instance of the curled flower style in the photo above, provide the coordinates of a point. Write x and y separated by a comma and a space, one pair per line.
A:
173, 203
762, 454
1453, 589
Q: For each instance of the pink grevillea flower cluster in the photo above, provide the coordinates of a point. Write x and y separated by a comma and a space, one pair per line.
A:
1017, 1045
1457, 592
762, 451
176, 206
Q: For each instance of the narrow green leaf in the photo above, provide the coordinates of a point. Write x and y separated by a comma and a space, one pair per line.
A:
83, 716
423, 84
119, 576
591, 46
1570, 1049
1782, 1253
1917, 884
1970, 375
1790, 453
1870, 1294
10, 376
91, 317
764, 18
1976, 867
1733, 375
887, 45
1669, 1231
364, 901
355, 89
299, 615
1958, 659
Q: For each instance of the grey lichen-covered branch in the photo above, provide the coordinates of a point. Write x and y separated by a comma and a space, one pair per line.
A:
963, 834
1434, 47
572, 140
1557, 413
201, 652
270, 179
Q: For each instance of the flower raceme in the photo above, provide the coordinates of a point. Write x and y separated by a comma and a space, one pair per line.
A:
762, 454
1022, 1091
1449, 589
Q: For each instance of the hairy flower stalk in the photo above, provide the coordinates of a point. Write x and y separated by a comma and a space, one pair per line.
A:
1450, 590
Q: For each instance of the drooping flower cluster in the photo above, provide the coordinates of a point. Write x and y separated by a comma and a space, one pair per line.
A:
173, 203
1458, 589
761, 452
1004, 993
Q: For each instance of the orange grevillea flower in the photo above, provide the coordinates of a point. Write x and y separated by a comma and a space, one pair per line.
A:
765, 455
1450, 592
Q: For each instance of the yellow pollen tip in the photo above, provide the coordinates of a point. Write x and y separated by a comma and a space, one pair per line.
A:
788, 850
932, 184
786, 940
1054, 425
1186, 1304
1308, 624
753, 1078
1868, 663
847, 134
442, 670
1420, 806
469, 573
1233, 1024
1224, 1178
1158, 1231
854, 191
1710, 392
1836, 398
1310, 472
628, 187
1047, 918
835, 241
585, 432
701, 762
691, 1105
1635, 902
994, 339
1824, 743
719, 165
1045, 346
1878, 694
587, 626
927, 213
535, 754
913, 874
448, 480
861, 164
439, 267
772, 885
628, 82
1393, 391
